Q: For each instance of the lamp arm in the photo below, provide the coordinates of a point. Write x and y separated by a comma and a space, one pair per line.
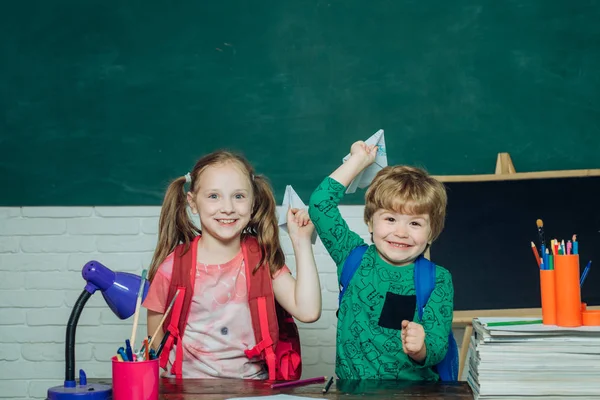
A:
70, 341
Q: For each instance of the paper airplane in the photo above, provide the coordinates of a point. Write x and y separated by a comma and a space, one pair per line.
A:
291, 200
365, 178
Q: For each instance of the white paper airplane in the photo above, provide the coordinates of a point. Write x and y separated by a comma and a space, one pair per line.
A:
291, 200
365, 178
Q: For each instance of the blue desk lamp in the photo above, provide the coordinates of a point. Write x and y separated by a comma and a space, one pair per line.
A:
120, 290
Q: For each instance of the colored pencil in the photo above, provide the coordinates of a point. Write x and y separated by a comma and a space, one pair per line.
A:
299, 383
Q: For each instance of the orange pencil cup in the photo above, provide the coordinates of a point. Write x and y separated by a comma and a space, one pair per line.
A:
568, 292
548, 291
136, 380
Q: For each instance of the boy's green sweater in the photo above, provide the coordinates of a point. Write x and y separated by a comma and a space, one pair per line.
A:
366, 350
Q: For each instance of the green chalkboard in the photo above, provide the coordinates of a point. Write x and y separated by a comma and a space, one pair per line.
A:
103, 102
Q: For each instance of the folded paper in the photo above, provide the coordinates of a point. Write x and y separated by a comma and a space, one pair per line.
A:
365, 178
291, 200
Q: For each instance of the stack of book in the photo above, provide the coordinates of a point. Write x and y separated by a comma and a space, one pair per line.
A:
515, 358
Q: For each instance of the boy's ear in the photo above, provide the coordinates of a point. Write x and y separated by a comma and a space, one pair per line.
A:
370, 226
190, 199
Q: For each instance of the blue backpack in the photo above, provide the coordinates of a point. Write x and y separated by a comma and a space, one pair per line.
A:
424, 285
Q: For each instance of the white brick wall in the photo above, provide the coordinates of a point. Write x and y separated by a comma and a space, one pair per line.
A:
42, 251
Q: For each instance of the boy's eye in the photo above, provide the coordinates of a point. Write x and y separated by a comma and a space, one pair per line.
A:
390, 219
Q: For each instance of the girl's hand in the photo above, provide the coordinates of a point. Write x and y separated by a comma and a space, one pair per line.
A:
299, 225
364, 152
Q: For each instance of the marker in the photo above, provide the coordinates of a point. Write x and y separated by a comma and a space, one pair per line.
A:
575, 245
569, 247
122, 353
585, 273
328, 385
128, 350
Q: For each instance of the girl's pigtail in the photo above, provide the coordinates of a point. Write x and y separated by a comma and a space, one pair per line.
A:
174, 225
264, 225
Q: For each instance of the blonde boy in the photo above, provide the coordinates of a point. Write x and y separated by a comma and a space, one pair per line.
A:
379, 333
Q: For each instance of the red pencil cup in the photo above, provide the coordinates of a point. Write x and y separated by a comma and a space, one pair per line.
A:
568, 292
548, 291
137, 380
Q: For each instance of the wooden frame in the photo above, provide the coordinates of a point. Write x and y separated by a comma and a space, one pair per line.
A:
505, 171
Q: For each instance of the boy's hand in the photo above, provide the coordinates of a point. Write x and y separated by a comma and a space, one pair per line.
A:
366, 153
413, 340
299, 225
361, 156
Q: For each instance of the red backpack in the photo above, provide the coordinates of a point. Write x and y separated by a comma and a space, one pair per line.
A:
275, 331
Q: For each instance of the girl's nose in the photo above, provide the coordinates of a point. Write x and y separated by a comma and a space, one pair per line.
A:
226, 206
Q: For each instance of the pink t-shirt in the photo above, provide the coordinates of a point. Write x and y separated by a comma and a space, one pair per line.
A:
219, 327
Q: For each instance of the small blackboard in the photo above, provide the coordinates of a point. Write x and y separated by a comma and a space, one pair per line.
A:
486, 243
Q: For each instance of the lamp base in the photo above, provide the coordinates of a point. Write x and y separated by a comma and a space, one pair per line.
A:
93, 391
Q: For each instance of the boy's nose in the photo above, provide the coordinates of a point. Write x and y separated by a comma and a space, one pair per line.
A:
401, 232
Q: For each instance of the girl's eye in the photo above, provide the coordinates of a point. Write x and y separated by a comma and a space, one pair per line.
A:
212, 196
239, 196
414, 223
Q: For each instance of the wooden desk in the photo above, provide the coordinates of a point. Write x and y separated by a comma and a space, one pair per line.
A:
220, 389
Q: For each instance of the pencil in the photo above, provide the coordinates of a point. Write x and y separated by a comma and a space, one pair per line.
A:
138, 303
328, 385
162, 320
535, 253
509, 323
585, 273
299, 383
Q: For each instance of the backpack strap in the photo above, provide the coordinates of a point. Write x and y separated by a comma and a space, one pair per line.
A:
183, 279
424, 282
350, 267
262, 307
175, 336
425, 271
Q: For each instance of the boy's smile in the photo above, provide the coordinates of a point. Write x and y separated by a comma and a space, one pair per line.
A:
399, 238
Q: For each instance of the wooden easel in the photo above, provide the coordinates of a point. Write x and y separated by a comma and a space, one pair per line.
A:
505, 170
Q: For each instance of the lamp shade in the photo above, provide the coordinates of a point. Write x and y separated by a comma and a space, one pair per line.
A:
120, 289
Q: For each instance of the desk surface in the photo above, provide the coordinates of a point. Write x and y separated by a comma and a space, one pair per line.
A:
219, 389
